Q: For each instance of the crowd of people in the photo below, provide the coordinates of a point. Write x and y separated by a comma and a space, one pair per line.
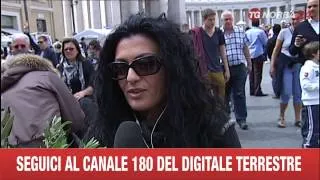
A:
178, 86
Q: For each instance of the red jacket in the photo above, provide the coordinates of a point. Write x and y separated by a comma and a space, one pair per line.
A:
199, 50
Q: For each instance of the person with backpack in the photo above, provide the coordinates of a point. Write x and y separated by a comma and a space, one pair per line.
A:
209, 45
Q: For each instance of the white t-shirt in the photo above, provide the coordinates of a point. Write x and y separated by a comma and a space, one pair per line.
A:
315, 25
285, 36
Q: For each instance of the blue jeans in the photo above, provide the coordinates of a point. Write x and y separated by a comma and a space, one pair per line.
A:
236, 88
291, 84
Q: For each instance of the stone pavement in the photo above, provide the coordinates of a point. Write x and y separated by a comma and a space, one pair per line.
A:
263, 113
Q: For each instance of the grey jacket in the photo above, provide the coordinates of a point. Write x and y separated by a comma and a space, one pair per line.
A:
34, 92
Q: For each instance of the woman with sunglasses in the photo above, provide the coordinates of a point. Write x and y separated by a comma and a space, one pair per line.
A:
147, 75
75, 69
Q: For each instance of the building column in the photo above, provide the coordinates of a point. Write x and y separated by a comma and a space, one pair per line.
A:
79, 17
75, 12
200, 18
176, 11
192, 18
217, 19
95, 14
278, 9
268, 18
164, 6
217, 24
66, 7
152, 8
246, 19
113, 13
241, 15
128, 8
233, 14
188, 19
86, 15
103, 14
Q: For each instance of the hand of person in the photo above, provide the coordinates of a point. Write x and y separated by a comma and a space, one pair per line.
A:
79, 95
272, 71
26, 28
227, 76
299, 40
249, 68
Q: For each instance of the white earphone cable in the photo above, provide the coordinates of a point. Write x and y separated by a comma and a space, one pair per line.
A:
154, 127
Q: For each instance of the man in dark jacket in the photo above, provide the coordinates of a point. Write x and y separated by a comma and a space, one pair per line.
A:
46, 51
42, 48
94, 53
306, 31
84, 46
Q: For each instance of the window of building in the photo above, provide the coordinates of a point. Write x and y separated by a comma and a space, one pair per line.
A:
9, 22
41, 25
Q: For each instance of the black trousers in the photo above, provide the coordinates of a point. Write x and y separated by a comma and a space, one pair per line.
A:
255, 76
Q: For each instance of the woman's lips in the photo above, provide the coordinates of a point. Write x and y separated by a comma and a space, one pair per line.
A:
135, 93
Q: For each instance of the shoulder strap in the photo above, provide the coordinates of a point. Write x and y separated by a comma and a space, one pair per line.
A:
291, 30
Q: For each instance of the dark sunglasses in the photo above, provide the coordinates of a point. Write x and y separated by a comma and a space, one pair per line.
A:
22, 46
143, 66
68, 49
40, 42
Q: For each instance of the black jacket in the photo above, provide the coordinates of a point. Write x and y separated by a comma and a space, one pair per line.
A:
305, 29
271, 44
50, 55
163, 135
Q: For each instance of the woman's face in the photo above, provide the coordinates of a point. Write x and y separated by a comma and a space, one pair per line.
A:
144, 94
70, 51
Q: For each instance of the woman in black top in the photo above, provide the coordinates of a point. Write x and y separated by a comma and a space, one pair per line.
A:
147, 75
75, 69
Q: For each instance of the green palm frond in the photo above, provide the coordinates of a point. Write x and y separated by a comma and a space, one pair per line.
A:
6, 126
55, 135
92, 143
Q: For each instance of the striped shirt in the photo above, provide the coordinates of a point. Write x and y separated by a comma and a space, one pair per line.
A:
235, 42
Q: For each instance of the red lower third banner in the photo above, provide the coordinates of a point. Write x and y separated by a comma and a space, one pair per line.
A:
159, 164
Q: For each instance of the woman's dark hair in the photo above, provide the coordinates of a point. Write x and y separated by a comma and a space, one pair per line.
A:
276, 29
193, 117
76, 44
255, 22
